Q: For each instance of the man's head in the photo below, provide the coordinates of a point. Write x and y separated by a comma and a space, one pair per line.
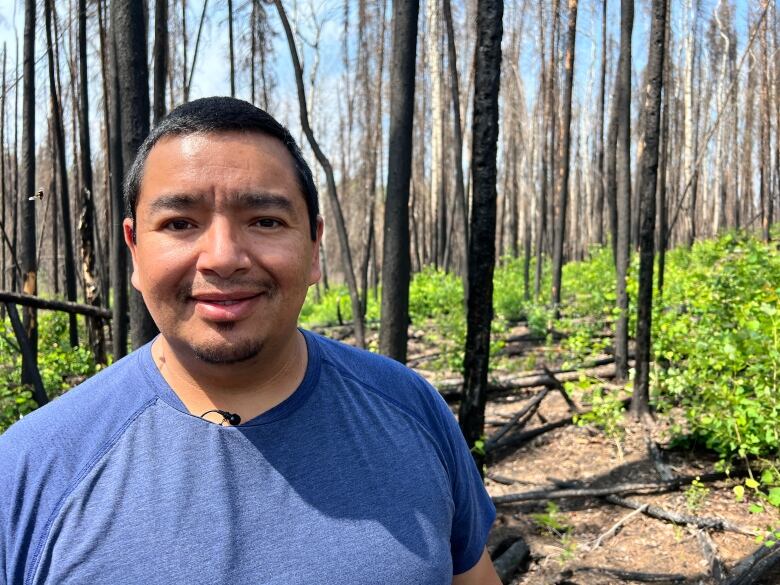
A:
221, 114
223, 242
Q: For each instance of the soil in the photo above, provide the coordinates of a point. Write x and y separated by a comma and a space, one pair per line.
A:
563, 542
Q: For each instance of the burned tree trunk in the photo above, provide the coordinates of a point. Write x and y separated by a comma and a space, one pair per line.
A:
623, 174
62, 175
129, 27
87, 220
482, 244
640, 403
393, 333
26, 191
341, 228
563, 160
160, 58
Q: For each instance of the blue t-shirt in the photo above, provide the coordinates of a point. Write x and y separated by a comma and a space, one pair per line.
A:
360, 476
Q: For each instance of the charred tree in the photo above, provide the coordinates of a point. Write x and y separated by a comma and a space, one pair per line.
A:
160, 57
562, 198
26, 192
482, 244
341, 228
640, 402
623, 184
132, 73
87, 218
393, 332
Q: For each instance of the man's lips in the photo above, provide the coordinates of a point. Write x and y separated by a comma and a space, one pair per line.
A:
225, 306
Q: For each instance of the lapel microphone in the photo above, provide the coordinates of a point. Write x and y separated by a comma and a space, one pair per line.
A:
227, 417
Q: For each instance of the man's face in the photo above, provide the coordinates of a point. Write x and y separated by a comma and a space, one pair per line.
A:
223, 254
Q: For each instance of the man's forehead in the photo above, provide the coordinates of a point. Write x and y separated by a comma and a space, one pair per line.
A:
178, 164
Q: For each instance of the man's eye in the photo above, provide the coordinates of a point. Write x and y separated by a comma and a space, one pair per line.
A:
179, 224
268, 222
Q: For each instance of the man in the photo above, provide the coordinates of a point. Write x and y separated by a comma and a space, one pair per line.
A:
236, 448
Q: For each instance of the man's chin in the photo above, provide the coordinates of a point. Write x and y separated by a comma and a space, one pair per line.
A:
226, 353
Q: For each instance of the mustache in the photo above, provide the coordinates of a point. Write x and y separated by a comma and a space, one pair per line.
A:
207, 285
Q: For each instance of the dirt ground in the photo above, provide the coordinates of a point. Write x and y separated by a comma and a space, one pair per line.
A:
563, 542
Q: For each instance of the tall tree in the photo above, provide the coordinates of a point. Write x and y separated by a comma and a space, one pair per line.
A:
230, 46
640, 403
86, 199
393, 332
562, 199
129, 25
3, 181
623, 183
461, 208
118, 261
600, 169
482, 245
341, 228
160, 57
26, 192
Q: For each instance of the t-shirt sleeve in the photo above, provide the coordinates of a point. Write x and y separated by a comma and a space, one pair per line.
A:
474, 510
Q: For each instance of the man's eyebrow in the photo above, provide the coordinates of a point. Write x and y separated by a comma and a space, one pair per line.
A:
175, 202
185, 201
261, 201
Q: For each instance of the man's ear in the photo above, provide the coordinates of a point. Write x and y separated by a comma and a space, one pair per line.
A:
129, 231
316, 271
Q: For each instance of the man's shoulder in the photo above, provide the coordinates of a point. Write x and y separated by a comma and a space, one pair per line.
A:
372, 369
386, 379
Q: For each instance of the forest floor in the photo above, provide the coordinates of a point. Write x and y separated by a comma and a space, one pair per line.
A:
570, 540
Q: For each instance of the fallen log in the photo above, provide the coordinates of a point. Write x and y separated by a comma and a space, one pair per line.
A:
450, 388
659, 513
509, 562
518, 439
627, 575
556, 493
519, 419
755, 566
52, 305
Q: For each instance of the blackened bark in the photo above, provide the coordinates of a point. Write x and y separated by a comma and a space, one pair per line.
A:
160, 58
341, 228
640, 402
230, 43
482, 245
3, 181
27, 190
562, 202
133, 77
600, 170
623, 171
87, 219
62, 175
120, 308
461, 207
393, 332
663, 212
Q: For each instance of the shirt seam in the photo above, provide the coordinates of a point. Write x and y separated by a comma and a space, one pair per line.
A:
76, 481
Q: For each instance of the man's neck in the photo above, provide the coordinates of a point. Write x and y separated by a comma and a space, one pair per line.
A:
247, 388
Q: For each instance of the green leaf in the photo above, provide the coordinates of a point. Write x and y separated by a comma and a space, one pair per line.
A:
751, 483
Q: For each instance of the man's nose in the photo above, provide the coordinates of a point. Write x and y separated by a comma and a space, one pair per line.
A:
222, 250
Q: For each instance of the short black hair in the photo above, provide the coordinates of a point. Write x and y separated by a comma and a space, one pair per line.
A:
221, 114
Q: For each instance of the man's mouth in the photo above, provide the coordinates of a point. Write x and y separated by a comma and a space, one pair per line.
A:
225, 306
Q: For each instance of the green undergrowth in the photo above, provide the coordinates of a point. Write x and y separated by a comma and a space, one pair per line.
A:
61, 366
